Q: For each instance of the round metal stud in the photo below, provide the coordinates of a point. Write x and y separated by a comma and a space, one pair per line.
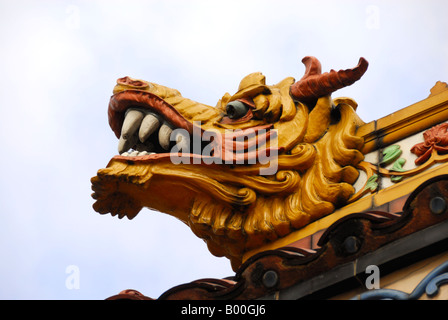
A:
437, 205
351, 244
270, 279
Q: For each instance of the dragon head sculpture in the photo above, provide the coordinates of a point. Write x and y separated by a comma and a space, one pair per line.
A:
264, 162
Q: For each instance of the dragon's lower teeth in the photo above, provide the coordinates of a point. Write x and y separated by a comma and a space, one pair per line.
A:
137, 153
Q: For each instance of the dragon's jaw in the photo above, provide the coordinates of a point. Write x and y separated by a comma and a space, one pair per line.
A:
125, 187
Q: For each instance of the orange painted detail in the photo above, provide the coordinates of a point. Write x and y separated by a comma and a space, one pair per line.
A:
436, 139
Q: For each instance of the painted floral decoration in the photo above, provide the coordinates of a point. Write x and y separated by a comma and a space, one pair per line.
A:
436, 138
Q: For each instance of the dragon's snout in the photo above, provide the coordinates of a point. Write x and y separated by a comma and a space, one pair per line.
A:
127, 81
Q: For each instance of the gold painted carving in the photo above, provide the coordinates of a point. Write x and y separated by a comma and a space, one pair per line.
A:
233, 206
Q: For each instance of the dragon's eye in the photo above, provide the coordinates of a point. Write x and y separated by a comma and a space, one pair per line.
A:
236, 109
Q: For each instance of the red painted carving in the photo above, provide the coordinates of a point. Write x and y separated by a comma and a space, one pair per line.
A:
314, 84
436, 138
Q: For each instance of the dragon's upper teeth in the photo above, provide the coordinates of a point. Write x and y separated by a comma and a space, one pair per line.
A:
131, 123
139, 125
149, 124
126, 144
164, 135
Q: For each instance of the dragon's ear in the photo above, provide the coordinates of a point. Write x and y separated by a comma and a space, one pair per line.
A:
312, 67
253, 79
224, 101
251, 85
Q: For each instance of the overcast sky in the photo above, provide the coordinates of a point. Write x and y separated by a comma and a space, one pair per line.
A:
59, 61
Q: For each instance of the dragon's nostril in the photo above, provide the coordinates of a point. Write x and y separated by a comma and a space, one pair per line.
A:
132, 82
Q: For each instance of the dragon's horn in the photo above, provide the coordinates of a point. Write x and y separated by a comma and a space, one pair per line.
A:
314, 85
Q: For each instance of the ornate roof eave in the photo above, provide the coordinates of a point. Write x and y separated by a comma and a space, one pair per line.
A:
419, 116
345, 250
379, 228
378, 135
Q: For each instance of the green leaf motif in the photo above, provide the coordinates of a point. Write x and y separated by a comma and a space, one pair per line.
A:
372, 183
391, 154
398, 167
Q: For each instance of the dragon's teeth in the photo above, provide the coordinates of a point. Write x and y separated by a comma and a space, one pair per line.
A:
164, 135
137, 154
126, 144
131, 123
139, 125
149, 124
